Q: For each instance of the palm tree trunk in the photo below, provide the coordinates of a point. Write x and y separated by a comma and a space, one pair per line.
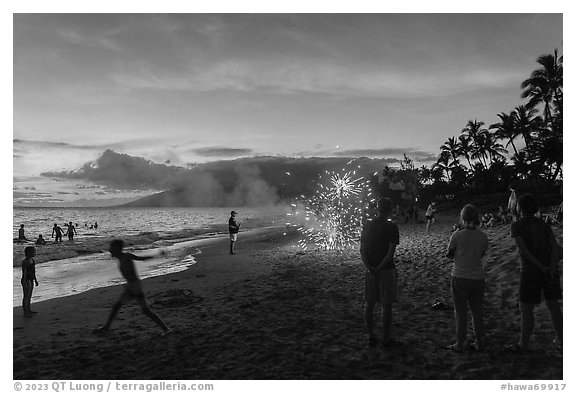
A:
513, 146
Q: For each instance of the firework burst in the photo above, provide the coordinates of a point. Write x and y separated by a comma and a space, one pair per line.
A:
334, 214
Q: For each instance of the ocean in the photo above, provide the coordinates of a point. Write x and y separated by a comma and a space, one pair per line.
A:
69, 268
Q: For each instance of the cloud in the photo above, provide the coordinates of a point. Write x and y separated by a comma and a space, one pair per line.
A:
21, 143
123, 172
287, 75
221, 152
415, 154
90, 41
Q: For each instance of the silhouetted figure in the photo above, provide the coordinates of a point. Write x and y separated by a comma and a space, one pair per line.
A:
512, 204
71, 231
540, 255
233, 228
430, 215
40, 240
28, 280
467, 246
132, 288
21, 235
95, 225
56, 230
378, 243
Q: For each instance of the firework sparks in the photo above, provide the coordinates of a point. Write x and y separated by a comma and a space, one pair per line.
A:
334, 214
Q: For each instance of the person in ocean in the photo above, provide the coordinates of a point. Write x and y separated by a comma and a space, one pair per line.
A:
58, 231
95, 225
21, 235
71, 231
132, 288
28, 280
40, 240
233, 228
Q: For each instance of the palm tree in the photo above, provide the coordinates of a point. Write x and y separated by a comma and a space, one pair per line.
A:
528, 124
545, 83
506, 128
493, 148
465, 149
443, 163
475, 135
452, 148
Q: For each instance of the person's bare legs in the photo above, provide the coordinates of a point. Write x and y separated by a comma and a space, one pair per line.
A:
556, 316
477, 308
369, 317
27, 298
386, 323
152, 315
527, 324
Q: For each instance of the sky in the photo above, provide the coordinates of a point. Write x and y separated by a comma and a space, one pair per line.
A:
192, 88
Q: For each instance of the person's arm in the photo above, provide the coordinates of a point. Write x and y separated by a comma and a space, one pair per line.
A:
554, 253
451, 247
364, 257
23, 272
387, 258
35, 280
138, 258
527, 255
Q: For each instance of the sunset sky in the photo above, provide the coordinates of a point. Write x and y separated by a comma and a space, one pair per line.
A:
192, 88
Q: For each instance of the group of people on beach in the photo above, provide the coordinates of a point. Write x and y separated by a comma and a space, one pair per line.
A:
539, 253
133, 287
535, 240
57, 233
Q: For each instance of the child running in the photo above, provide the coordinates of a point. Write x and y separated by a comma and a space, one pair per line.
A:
28, 280
132, 288
467, 247
539, 275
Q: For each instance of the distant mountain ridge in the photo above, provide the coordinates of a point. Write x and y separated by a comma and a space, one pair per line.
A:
254, 181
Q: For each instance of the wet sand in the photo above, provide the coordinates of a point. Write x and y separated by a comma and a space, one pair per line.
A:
273, 311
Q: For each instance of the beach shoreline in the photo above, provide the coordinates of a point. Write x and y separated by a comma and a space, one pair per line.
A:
275, 311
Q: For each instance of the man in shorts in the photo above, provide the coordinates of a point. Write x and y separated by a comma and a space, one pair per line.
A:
540, 255
233, 228
378, 243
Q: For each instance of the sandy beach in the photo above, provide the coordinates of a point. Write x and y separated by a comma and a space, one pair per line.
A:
274, 311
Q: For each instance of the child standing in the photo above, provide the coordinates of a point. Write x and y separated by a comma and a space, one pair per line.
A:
467, 247
540, 255
132, 288
28, 280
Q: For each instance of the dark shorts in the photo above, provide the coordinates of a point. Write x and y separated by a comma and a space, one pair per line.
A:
534, 284
467, 292
382, 288
429, 218
133, 291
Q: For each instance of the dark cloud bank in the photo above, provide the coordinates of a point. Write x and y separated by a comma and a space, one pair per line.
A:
254, 181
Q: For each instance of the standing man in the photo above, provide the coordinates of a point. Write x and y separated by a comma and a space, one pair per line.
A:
378, 243
233, 228
58, 231
71, 231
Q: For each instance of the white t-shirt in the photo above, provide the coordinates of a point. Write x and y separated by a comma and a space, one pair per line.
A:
470, 245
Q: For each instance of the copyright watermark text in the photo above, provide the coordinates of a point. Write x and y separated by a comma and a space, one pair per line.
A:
68, 386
